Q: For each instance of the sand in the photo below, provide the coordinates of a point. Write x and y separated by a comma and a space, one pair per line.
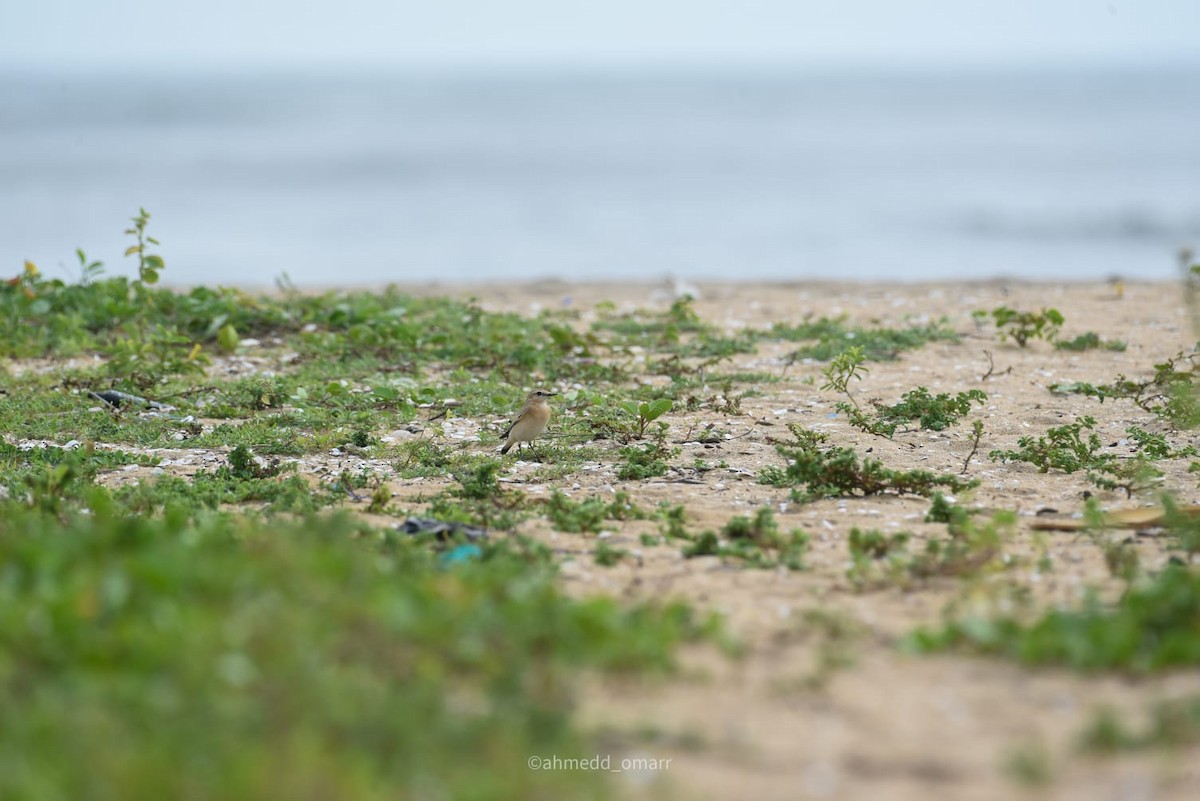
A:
879, 723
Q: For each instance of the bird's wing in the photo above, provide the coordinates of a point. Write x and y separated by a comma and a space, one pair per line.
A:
516, 420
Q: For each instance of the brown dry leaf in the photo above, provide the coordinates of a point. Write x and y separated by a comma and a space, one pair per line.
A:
1121, 518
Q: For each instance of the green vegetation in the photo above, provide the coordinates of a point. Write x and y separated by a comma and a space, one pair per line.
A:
844, 368
1021, 326
1066, 448
647, 460
868, 548
816, 470
1169, 394
1183, 529
589, 514
1151, 627
478, 499
646, 413
756, 541
879, 559
932, 413
1063, 448
208, 654
833, 336
1089, 340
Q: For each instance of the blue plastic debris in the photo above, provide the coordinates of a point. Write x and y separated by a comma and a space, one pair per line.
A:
463, 553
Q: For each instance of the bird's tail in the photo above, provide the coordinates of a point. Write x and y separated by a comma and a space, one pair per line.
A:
504, 450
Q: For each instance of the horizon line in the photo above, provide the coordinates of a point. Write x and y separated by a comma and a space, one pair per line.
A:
607, 66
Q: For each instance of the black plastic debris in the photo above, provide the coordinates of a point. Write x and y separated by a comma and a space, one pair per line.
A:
117, 399
441, 529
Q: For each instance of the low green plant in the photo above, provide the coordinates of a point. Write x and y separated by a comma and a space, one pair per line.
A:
844, 368
1170, 393
932, 413
654, 330
879, 559
674, 520
478, 499
150, 265
1151, 627
243, 463
606, 555
381, 496
1021, 326
868, 548
422, 457
835, 635
832, 336
1182, 528
646, 460
1089, 340
815, 471
589, 514
646, 413
151, 357
757, 541
1066, 448
90, 270
706, 543
1063, 448
478, 481
971, 547
944, 510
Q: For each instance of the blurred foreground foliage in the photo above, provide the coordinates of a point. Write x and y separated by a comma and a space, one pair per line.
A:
218, 655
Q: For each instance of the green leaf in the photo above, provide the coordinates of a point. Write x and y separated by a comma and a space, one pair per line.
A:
154, 261
150, 276
386, 393
227, 338
655, 409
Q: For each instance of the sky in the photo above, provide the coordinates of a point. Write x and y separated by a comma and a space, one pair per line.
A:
183, 35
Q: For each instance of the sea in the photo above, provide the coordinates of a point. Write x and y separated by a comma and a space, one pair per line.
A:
351, 179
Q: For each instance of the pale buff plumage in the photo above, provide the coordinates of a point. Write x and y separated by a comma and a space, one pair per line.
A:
531, 421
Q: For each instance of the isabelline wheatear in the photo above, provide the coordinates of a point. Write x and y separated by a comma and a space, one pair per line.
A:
531, 421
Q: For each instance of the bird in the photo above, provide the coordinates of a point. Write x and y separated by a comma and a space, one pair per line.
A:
531, 421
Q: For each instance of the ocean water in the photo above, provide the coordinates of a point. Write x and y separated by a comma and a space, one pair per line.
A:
356, 179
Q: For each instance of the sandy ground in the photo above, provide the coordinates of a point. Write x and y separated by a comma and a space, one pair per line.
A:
823, 704
776, 724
